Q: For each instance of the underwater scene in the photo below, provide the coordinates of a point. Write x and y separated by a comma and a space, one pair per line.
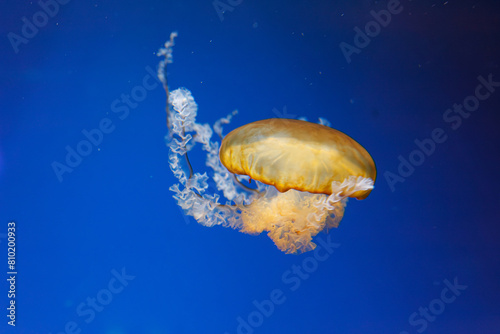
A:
249, 167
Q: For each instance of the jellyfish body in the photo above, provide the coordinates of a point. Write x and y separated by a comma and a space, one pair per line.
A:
295, 154
304, 172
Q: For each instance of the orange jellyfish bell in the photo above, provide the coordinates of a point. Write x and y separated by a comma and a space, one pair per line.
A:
294, 154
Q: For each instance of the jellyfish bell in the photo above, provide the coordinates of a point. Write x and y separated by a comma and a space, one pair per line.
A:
295, 154
304, 172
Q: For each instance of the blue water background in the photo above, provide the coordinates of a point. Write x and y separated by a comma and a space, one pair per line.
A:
394, 252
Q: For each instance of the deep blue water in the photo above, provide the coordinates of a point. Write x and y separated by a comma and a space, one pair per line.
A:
105, 249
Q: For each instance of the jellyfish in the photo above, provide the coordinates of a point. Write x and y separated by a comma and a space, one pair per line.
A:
303, 173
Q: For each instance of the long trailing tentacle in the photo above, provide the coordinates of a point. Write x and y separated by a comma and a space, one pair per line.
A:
183, 133
167, 53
